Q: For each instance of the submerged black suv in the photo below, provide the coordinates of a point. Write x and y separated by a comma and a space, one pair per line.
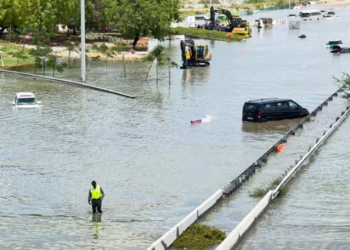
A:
263, 110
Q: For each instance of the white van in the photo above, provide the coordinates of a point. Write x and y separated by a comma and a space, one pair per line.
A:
25, 100
310, 15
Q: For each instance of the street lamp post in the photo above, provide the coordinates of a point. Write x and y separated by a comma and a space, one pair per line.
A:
82, 34
289, 8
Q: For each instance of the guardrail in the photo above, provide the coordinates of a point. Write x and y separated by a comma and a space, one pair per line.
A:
79, 84
169, 237
234, 238
244, 176
312, 150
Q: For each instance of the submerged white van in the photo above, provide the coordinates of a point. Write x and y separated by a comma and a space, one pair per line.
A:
25, 100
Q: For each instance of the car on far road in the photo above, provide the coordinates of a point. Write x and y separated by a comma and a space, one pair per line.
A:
25, 100
270, 109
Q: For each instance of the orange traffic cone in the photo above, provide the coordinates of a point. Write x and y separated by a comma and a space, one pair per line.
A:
279, 148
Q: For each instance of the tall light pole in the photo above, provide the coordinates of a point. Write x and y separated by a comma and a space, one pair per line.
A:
289, 8
82, 34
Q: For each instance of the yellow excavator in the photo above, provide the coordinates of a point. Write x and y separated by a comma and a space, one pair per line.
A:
243, 29
194, 55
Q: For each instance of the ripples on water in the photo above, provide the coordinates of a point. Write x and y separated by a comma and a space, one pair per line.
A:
153, 165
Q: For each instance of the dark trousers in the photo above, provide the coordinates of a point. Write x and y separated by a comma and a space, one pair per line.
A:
96, 203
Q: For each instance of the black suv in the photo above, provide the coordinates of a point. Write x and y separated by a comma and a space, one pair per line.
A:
263, 110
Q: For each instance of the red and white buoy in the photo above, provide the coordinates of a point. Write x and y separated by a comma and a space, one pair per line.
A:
207, 119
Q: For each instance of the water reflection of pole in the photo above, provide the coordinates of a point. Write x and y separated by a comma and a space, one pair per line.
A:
124, 64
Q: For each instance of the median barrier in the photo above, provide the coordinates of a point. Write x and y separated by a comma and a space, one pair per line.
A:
79, 84
246, 224
170, 236
205, 206
187, 221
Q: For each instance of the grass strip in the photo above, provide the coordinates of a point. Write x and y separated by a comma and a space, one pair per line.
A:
199, 236
208, 34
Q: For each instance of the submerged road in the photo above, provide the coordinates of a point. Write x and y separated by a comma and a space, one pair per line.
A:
314, 214
152, 164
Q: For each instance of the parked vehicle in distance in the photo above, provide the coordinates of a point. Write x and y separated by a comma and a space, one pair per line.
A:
25, 100
310, 15
339, 50
269, 109
334, 42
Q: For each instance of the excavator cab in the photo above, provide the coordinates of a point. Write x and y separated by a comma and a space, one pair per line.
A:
200, 52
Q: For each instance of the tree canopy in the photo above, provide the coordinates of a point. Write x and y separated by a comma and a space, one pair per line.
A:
37, 14
136, 18
132, 18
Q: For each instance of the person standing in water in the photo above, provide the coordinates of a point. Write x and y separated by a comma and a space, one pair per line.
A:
95, 198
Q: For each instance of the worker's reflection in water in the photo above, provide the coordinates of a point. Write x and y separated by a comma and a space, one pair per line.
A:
97, 226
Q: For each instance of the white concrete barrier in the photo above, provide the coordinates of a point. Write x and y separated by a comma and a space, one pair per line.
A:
169, 237
187, 221
79, 84
209, 202
233, 238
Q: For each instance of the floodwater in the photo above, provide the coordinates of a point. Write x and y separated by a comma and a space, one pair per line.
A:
323, 221
152, 164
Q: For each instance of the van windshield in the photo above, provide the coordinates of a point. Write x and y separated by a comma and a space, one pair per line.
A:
250, 107
305, 14
26, 101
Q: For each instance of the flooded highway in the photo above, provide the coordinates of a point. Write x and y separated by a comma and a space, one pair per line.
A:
152, 164
314, 214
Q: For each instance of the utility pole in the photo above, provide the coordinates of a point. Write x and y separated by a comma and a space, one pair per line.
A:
289, 8
82, 34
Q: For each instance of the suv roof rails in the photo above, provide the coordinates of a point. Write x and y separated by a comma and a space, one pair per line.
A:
264, 99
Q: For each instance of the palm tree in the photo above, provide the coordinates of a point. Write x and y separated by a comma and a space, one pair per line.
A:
157, 54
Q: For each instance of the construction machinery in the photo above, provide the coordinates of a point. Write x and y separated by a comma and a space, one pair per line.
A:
195, 55
243, 29
231, 21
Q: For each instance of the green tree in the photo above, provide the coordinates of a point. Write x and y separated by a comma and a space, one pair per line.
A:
42, 48
55, 64
72, 47
39, 52
158, 55
20, 55
96, 13
105, 50
170, 64
90, 58
38, 14
136, 18
344, 83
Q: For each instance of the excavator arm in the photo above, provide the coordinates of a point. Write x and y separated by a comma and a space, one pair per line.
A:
190, 44
226, 13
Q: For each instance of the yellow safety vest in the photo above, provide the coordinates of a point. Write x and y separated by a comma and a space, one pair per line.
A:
96, 193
